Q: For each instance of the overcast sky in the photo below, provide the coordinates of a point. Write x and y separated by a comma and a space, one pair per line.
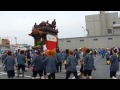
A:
19, 23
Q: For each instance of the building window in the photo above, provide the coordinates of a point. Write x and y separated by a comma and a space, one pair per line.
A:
7, 43
95, 39
81, 40
109, 38
68, 41
109, 31
114, 22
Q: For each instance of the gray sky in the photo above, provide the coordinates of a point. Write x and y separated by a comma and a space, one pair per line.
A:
19, 23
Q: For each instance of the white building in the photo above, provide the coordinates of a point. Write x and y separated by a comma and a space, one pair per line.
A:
103, 31
104, 23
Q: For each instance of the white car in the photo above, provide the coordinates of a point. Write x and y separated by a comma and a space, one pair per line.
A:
21, 48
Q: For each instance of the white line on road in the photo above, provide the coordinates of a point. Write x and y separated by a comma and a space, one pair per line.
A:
1, 65
118, 73
3, 73
60, 76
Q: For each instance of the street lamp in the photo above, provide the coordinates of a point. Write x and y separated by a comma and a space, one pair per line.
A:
84, 31
84, 36
87, 32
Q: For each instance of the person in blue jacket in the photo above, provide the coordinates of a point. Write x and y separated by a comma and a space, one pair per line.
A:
72, 62
38, 65
102, 52
59, 60
88, 64
21, 62
9, 62
51, 66
114, 67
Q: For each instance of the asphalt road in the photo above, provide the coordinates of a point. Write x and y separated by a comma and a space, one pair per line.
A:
102, 71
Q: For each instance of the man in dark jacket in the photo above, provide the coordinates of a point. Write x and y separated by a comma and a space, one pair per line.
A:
72, 62
3, 57
114, 67
28, 57
9, 62
50, 63
59, 60
21, 62
77, 54
88, 64
38, 65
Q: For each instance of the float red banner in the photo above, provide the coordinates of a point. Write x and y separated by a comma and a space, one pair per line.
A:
51, 45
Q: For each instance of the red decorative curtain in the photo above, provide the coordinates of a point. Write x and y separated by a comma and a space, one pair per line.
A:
51, 45
52, 42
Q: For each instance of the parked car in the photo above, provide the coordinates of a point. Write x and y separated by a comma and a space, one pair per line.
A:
21, 48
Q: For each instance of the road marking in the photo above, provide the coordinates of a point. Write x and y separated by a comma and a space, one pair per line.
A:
1, 65
3, 73
60, 76
118, 73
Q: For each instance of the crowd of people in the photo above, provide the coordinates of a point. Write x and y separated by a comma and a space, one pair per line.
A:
50, 62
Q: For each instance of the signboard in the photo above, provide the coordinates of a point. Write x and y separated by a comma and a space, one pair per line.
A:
51, 41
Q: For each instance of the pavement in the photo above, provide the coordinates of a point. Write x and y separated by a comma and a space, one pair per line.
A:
102, 71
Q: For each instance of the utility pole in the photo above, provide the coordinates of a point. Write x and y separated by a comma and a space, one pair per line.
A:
84, 36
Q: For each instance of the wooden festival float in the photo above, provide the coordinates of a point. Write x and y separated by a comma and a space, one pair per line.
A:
45, 35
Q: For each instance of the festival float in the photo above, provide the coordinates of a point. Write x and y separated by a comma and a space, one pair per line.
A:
45, 35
